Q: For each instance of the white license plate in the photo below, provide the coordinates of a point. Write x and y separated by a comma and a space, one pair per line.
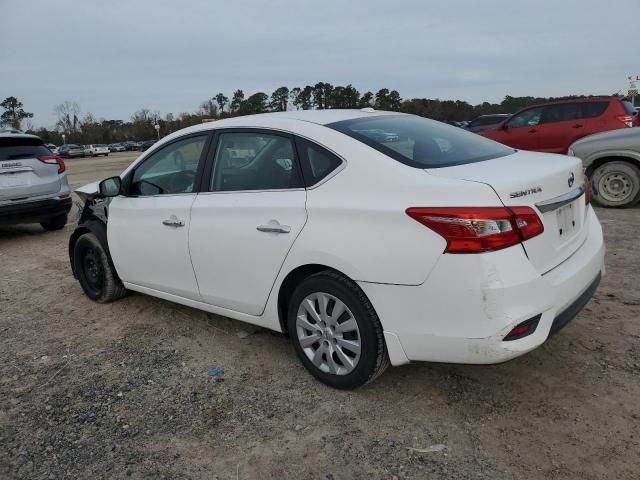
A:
13, 180
567, 221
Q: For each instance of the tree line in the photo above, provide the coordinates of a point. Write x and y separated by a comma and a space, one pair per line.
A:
148, 124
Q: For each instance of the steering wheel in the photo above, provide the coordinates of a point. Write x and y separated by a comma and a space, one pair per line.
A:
182, 182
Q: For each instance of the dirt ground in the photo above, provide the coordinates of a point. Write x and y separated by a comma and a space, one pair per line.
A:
121, 390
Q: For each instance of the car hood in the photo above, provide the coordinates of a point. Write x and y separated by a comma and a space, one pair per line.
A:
629, 134
88, 191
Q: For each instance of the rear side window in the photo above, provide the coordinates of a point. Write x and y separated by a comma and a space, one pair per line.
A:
246, 161
317, 162
593, 109
420, 142
562, 112
13, 148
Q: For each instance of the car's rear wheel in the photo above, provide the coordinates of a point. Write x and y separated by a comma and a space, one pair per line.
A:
97, 277
616, 184
336, 332
55, 223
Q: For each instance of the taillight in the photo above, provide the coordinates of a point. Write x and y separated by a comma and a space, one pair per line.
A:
53, 159
626, 119
587, 191
479, 229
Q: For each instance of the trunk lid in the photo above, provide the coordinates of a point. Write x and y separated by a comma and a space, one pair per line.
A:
550, 184
22, 175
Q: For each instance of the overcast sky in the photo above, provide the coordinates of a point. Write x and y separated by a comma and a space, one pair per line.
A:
114, 57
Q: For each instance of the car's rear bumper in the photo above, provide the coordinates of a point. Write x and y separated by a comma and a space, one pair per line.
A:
468, 304
34, 212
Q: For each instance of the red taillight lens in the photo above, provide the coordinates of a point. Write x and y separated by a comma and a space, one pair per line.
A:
53, 159
479, 229
587, 191
626, 119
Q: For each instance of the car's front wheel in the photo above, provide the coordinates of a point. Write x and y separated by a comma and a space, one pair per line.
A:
616, 184
336, 332
97, 277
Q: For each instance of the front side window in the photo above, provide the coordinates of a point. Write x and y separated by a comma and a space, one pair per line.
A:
528, 118
255, 161
170, 170
420, 142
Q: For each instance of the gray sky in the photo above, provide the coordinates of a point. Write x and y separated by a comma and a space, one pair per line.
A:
114, 57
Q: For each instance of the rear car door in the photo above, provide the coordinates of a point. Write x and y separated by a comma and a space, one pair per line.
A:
560, 126
244, 225
27, 169
148, 227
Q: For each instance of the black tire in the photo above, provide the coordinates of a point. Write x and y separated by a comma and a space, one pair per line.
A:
54, 223
616, 173
97, 277
373, 354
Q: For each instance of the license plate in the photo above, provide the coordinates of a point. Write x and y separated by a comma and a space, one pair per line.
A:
13, 180
567, 222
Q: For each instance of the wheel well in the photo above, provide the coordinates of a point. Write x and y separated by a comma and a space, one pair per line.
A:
601, 161
289, 284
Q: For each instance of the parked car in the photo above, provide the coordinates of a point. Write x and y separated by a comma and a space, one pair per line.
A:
71, 151
33, 183
117, 147
553, 126
485, 122
442, 246
95, 150
612, 162
52, 147
145, 145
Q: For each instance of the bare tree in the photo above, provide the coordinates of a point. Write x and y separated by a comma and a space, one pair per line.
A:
68, 114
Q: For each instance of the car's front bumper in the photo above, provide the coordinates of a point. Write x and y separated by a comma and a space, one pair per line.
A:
34, 212
468, 304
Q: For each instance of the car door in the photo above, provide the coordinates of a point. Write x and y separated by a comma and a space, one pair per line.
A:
244, 225
522, 130
560, 126
148, 227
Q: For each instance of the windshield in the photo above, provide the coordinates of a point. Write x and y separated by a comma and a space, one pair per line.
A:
420, 142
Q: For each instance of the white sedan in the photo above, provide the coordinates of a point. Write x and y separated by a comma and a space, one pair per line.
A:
95, 150
436, 245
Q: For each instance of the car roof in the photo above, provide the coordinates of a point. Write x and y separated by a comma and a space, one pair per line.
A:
320, 117
13, 134
577, 100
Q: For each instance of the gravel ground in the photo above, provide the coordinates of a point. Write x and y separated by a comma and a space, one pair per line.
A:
121, 390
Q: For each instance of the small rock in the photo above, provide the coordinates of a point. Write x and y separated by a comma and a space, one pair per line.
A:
298, 428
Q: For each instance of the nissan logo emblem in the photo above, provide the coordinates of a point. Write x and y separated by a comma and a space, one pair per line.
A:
571, 179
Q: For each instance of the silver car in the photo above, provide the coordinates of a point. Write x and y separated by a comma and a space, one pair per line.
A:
33, 183
612, 162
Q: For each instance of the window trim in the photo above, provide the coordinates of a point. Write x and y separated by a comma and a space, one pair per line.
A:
197, 184
205, 184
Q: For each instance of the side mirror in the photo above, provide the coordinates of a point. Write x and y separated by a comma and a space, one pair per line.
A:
504, 126
110, 187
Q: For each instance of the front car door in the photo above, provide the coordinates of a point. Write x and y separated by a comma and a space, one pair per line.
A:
244, 225
148, 227
522, 130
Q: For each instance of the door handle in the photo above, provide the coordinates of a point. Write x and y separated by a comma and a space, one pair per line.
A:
577, 126
173, 221
274, 227
533, 130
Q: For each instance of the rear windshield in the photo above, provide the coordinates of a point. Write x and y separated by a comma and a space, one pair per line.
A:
628, 107
419, 142
12, 148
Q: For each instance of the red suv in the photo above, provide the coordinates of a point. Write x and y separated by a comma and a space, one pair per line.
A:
552, 127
